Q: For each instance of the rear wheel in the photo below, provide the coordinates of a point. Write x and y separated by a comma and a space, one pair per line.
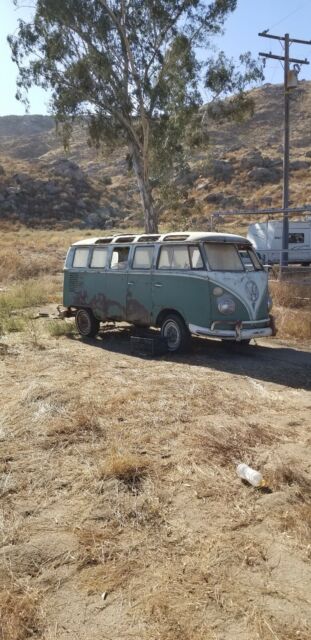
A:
86, 323
175, 332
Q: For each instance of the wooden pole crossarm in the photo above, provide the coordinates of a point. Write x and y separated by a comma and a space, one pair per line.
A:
271, 55
264, 34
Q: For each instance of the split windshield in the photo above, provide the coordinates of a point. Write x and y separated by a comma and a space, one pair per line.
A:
229, 257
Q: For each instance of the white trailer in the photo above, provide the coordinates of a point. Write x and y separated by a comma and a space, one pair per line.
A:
266, 238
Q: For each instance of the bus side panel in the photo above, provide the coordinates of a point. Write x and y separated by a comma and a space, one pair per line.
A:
187, 293
74, 293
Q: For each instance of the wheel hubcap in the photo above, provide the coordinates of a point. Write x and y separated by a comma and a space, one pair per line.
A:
84, 323
172, 334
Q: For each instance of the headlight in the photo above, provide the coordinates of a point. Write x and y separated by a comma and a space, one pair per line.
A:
269, 303
226, 305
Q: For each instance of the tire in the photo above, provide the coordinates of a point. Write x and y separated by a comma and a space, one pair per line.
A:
174, 330
86, 323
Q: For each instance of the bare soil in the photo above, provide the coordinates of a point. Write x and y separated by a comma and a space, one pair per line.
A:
122, 515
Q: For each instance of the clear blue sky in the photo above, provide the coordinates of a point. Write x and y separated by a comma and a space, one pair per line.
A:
242, 27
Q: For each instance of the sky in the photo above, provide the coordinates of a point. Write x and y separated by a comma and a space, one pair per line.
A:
241, 35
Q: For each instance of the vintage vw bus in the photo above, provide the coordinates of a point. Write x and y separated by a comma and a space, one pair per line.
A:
208, 284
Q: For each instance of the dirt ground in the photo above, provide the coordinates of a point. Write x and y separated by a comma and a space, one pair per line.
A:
122, 516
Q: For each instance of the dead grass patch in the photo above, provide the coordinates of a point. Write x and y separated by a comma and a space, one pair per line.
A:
59, 328
272, 630
293, 323
19, 614
291, 295
129, 469
74, 426
287, 475
15, 265
297, 522
108, 577
97, 546
231, 446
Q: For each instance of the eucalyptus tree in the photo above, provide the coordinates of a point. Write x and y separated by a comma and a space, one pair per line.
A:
130, 67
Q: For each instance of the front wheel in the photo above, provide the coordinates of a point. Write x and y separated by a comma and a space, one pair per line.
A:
86, 323
175, 332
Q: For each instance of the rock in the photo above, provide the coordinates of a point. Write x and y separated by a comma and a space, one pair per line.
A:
52, 188
93, 220
296, 165
308, 154
2, 171
186, 179
21, 178
214, 198
252, 159
263, 175
2, 198
203, 186
67, 168
232, 202
222, 171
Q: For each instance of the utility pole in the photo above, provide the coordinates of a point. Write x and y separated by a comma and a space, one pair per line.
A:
289, 83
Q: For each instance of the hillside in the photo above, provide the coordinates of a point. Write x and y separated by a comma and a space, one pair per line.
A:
240, 168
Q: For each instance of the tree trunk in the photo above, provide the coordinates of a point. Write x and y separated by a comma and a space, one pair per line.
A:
145, 190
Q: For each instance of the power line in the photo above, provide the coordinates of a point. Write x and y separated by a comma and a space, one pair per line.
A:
292, 13
290, 82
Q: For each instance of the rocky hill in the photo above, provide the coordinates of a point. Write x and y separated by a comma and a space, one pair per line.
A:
240, 168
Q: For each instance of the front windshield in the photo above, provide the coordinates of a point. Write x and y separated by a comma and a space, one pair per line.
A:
250, 260
223, 257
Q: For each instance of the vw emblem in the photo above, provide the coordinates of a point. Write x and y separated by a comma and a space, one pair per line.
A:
252, 291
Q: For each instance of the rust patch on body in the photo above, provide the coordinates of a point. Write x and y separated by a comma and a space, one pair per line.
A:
103, 308
136, 312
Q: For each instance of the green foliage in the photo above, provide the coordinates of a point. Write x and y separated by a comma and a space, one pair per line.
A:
129, 68
223, 78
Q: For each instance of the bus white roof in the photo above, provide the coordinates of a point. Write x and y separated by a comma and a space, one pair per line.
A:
179, 236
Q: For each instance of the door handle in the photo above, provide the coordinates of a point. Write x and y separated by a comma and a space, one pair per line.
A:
157, 284
130, 283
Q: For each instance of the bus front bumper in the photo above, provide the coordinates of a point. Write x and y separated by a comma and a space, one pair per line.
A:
242, 330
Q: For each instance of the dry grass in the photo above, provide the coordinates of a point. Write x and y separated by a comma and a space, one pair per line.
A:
75, 423
59, 328
288, 475
293, 323
121, 498
97, 546
129, 469
19, 614
231, 446
291, 295
29, 293
292, 307
15, 266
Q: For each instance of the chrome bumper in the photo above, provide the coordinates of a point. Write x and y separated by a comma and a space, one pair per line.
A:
240, 330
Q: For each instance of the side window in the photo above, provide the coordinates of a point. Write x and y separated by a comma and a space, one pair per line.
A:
99, 258
119, 258
142, 258
81, 257
196, 258
174, 258
296, 238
